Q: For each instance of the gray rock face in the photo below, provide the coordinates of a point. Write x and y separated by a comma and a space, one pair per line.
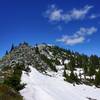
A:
31, 56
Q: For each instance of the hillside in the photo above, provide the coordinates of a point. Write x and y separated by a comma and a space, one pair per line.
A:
50, 72
42, 87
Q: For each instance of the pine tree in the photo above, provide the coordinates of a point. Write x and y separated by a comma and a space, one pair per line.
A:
12, 47
6, 52
73, 78
79, 61
94, 60
25, 43
71, 64
97, 79
37, 49
93, 64
85, 61
91, 70
66, 76
64, 73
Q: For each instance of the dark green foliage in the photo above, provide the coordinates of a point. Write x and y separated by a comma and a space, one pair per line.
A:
58, 52
37, 49
79, 61
65, 66
64, 74
8, 93
91, 70
6, 68
56, 62
71, 64
49, 62
6, 52
94, 60
12, 48
85, 62
85, 69
72, 78
97, 79
27, 69
67, 78
14, 80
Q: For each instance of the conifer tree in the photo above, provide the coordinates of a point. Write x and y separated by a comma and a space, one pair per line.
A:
97, 79
6, 52
64, 73
94, 60
12, 47
71, 64
91, 70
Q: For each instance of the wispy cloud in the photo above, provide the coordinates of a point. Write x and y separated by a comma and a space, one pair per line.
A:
80, 13
77, 37
55, 14
93, 16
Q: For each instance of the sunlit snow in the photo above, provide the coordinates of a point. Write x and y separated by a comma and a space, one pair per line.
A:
42, 87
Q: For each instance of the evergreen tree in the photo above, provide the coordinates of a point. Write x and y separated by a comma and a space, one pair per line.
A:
37, 49
91, 70
6, 52
79, 61
85, 61
25, 43
72, 78
97, 79
12, 47
15, 79
94, 60
64, 73
71, 64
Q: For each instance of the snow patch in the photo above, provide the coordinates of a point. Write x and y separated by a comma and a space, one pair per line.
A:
42, 87
66, 61
59, 67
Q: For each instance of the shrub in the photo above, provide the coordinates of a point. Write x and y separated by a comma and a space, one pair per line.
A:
14, 80
8, 93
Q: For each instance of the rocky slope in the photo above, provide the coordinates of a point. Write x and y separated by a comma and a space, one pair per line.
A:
51, 61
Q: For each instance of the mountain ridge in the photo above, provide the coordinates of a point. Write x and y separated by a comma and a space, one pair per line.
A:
51, 61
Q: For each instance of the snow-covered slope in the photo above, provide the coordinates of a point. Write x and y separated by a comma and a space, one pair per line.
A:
42, 87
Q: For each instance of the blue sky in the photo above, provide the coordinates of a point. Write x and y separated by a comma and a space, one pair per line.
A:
72, 24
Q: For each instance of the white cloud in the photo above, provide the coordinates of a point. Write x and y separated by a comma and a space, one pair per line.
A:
77, 37
55, 14
86, 31
71, 40
81, 13
93, 16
